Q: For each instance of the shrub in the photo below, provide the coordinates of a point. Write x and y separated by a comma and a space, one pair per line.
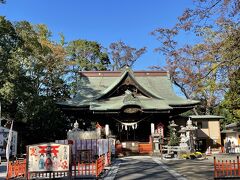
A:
198, 154
184, 156
191, 155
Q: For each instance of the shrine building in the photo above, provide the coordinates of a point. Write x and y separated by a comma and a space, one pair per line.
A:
128, 101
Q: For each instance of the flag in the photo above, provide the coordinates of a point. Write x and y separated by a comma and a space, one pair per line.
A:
9, 143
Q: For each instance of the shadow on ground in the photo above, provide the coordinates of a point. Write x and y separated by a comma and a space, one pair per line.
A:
192, 169
140, 167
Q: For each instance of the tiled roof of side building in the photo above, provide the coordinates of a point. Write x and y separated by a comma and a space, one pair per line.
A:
206, 117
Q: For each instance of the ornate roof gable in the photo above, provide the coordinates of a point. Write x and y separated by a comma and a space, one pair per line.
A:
128, 80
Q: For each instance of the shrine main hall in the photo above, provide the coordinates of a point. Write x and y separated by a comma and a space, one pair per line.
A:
128, 101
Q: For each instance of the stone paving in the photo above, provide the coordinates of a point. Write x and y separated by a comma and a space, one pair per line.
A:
146, 167
192, 169
139, 167
198, 169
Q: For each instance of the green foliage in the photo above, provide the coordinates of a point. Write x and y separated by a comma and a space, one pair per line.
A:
229, 107
35, 72
31, 80
173, 138
84, 55
45, 121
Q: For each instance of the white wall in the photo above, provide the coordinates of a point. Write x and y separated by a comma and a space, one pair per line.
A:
233, 137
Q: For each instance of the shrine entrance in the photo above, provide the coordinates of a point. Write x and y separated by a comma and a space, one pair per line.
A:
138, 128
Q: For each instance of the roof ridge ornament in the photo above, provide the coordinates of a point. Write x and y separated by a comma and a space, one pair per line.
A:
127, 69
129, 98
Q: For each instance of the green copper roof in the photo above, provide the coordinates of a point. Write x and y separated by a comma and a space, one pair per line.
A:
128, 72
116, 103
95, 91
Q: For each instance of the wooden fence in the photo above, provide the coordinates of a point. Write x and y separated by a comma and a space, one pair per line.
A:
142, 148
17, 169
145, 148
119, 149
225, 169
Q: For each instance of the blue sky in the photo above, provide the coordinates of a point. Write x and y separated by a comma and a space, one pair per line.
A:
103, 21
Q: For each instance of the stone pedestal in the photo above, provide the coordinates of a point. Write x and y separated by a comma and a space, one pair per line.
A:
156, 143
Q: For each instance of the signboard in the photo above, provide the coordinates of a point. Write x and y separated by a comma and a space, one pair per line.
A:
48, 157
3, 142
160, 129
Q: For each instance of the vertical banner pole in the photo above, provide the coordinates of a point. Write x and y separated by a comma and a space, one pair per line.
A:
8, 147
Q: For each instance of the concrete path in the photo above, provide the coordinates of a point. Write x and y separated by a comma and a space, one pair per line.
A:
139, 167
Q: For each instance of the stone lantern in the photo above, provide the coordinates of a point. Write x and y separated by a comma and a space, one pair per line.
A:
190, 131
183, 139
173, 125
155, 140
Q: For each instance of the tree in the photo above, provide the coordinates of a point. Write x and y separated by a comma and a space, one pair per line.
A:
32, 70
54, 65
123, 55
84, 55
11, 73
43, 62
231, 103
207, 13
46, 122
173, 138
203, 70
9, 42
